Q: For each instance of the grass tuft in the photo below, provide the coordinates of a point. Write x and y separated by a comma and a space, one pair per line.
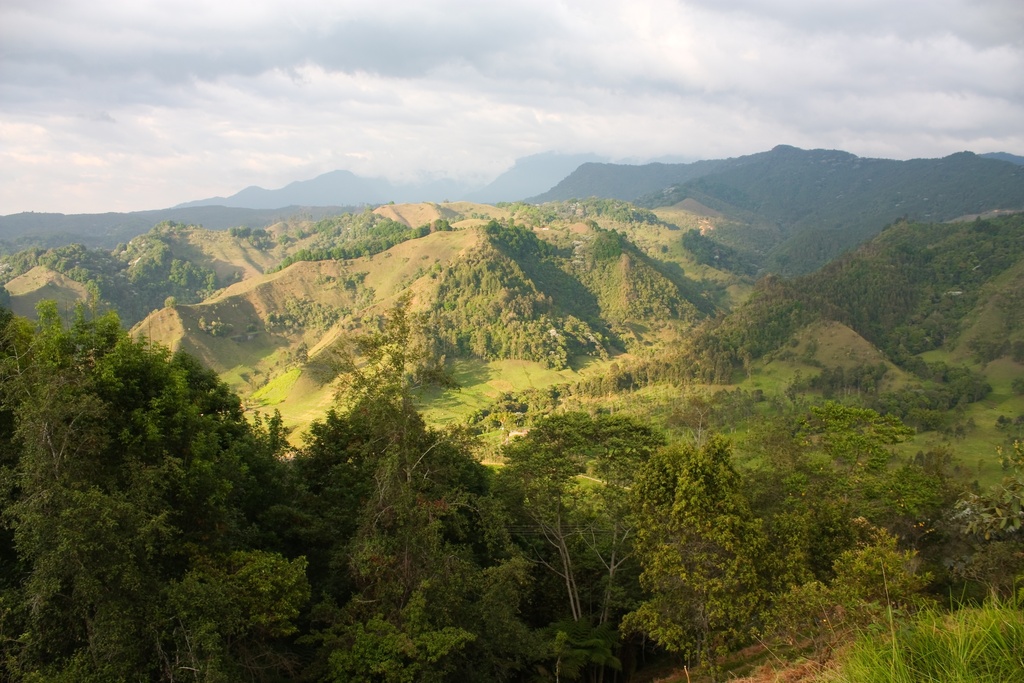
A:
975, 645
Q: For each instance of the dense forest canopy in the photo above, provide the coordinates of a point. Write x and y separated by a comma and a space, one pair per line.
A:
721, 462
152, 531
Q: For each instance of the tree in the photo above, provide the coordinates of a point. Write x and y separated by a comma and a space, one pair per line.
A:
132, 465
698, 546
397, 515
542, 469
571, 475
568, 482
872, 582
994, 522
226, 610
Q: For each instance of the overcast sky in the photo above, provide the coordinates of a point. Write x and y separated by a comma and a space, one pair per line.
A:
119, 105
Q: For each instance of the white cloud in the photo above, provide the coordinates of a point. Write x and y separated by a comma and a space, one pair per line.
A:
129, 105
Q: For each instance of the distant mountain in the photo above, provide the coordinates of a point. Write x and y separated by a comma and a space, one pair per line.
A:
1005, 156
627, 182
529, 176
106, 230
798, 209
794, 171
336, 188
786, 210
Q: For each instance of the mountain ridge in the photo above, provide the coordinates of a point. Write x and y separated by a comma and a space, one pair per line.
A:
815, 204
528, 175
106, 230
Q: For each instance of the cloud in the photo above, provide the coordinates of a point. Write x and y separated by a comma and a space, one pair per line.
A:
123, 105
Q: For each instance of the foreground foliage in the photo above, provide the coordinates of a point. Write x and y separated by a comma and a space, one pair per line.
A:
976, 645
133, 488
150, 531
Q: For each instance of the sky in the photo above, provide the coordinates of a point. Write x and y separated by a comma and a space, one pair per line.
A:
122, 105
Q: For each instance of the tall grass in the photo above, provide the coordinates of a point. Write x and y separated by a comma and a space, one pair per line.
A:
973, 645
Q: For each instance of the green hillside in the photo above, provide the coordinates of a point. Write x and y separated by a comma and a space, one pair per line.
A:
819, 203
638, 297
641, 435
174, 262
548, 286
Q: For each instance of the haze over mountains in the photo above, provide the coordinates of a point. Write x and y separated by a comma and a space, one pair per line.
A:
792, 195
108, 229
530, 175
555, 177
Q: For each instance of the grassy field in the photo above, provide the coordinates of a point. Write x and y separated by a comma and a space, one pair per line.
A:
481, 383
41, 283
278, 390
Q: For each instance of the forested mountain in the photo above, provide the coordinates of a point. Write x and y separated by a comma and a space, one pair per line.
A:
551, 285
489, 290
628, 182
682, 460
170, 263
915, 288
790, 211
1005, 156
816, 204
940, 303
548, 285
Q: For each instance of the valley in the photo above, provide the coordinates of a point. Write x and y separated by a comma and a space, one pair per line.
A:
520, 299
543, 404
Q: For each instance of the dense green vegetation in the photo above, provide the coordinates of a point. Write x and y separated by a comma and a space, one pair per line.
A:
716, 254
350, 236
909, 291
589, 209
151, 531
817, 204
135, 506
551, 302
135, 278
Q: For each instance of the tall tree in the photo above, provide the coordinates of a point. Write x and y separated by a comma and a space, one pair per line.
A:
133, 468
569, 480
568, 483
699, 545
410, 551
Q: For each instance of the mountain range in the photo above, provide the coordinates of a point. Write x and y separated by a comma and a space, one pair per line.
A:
789, 197
529, 175
598, 303
372, 359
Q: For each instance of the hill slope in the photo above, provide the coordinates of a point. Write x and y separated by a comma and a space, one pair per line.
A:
790, 210
554, 293
627, 182
41, 283
106, 230
817, 204
914, 289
